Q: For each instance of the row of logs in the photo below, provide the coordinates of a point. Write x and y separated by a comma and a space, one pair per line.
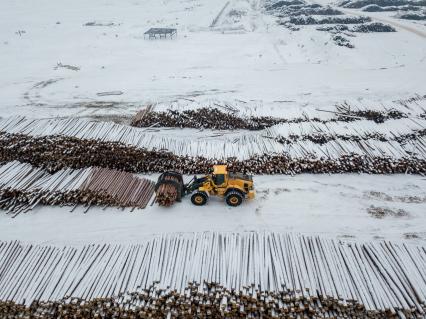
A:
22, 187
372, 115
202, 118
323, 138
57, 152
277, 272
209, 301
205, 118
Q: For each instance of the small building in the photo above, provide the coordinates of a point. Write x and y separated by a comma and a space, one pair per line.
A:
159, 33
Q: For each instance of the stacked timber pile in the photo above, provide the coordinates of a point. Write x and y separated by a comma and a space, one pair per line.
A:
59, 144
323, 138
417, 98
56, 153
400, 130
213, 118
373, 115
202, 118
214, 275
23, 186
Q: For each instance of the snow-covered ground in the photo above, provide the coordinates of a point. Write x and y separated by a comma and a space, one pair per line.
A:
249, 59
334, 206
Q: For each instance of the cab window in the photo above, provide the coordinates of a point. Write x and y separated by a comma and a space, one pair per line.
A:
219, 179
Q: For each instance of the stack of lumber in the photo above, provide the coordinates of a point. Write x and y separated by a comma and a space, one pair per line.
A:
215, 275
23, 186
75, 143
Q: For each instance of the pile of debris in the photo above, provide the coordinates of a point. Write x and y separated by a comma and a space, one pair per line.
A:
342, 41
407, 9
308, 20
363, 28
416, 16
373, 27
293, 14
309, 10
377, 8
358, 4
22, 187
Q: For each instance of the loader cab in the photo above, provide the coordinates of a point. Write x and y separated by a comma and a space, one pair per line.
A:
220, 175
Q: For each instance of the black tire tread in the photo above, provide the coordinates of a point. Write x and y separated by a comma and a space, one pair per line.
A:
202, 194
233, 194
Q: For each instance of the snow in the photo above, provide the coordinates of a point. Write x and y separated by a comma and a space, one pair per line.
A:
331, 206
251, 58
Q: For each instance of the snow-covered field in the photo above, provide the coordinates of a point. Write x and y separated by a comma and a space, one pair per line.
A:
54, 65
252, 58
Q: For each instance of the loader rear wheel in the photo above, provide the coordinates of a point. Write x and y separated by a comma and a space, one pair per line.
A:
199, 198
234, 198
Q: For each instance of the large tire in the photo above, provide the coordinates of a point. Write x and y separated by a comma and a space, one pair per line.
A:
199, 198
234, 198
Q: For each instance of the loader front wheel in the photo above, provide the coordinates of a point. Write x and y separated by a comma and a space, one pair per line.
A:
199, 198
234, 198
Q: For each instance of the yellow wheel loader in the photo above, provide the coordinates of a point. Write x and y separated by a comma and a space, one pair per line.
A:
233, 187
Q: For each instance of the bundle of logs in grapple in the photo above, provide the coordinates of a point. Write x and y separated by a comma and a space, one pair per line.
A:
216, 119
54, 153
23, 186
169, 188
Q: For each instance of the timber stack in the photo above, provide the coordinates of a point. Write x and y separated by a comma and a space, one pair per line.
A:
213, 118
214, 275
55, 153
56, 144
202, 118
22, 187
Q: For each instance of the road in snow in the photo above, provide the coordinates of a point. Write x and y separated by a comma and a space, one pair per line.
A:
333, 206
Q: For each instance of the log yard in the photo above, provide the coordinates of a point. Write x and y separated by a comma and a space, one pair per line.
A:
213, 159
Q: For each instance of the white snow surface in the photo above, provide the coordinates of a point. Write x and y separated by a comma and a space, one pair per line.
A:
331, 206
245, 56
